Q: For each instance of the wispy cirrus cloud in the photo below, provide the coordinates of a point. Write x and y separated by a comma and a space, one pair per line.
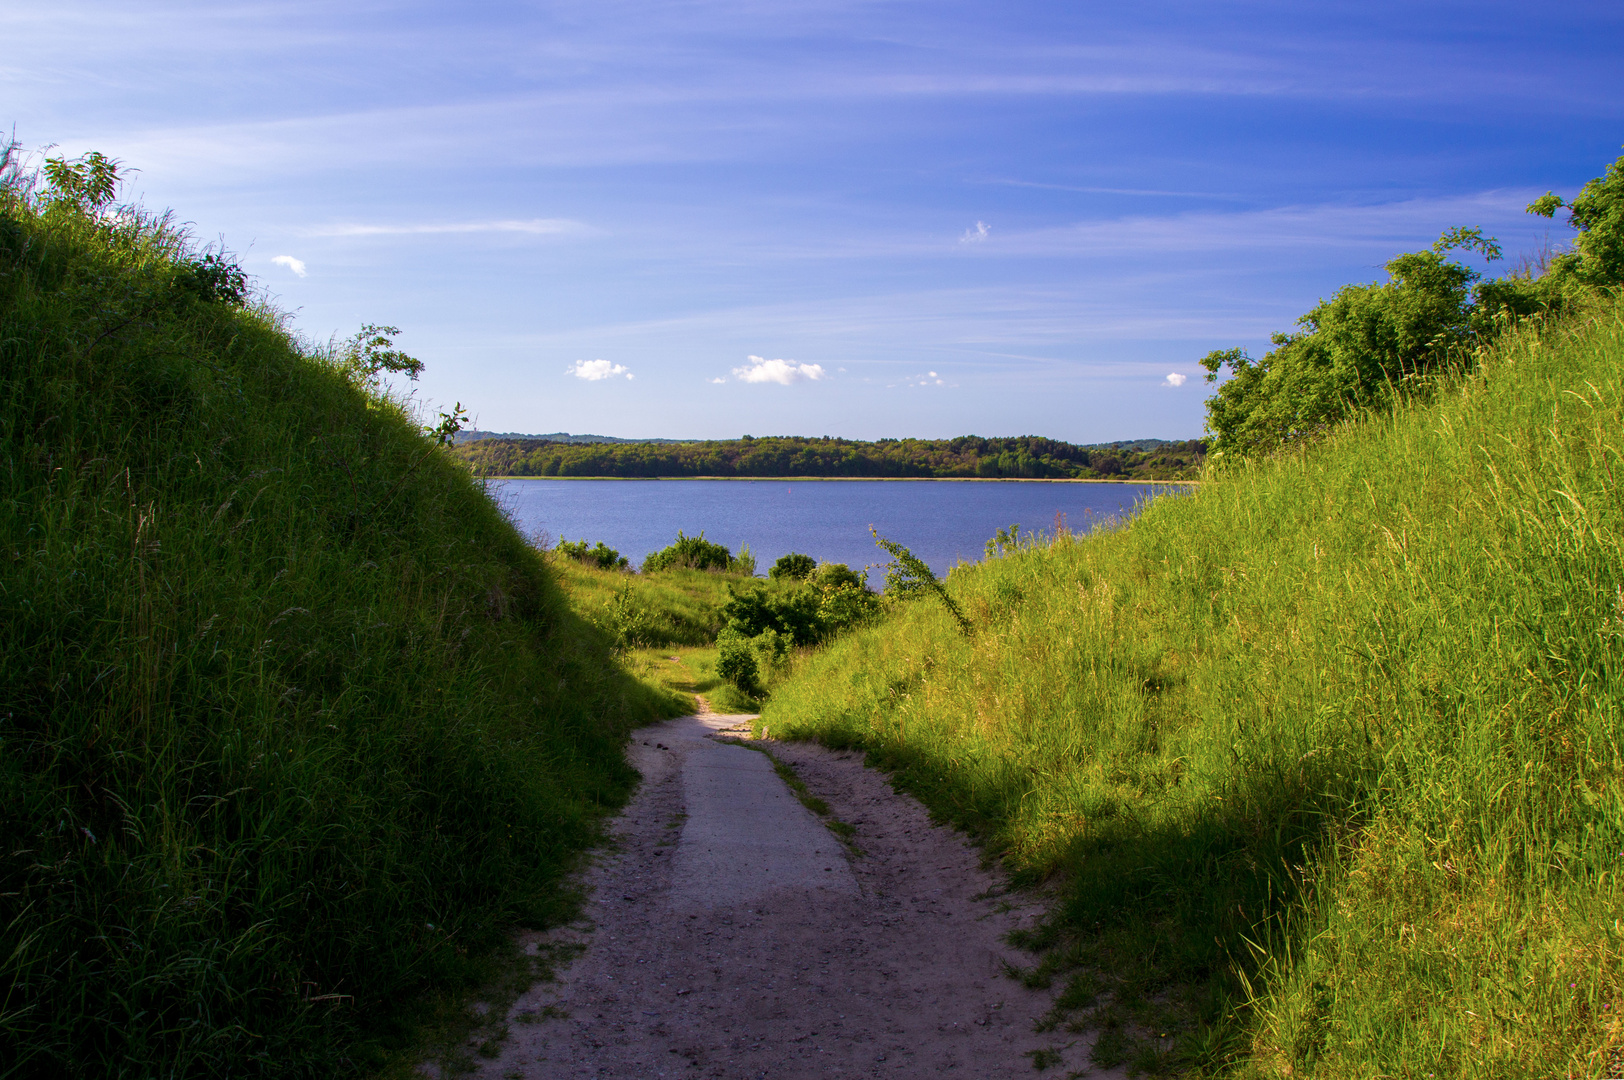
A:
531, 226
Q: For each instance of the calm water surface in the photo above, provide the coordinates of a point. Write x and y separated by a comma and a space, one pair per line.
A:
941, 521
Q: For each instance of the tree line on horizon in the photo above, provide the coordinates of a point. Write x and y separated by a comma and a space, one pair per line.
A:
967, 457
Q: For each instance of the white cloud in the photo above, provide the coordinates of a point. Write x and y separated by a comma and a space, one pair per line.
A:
533, 226
296, 265
594, 370
932, 374
783, 372
1175, 379
718, 380
977, 234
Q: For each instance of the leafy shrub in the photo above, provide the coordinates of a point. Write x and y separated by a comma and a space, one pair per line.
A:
629, 622
1597, 214
693, 552
736, 661
1370, 345
602, 555
794, 614
908, 578
795, 566
836, 576
843, 606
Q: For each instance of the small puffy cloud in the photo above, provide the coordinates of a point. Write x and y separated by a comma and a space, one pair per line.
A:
718, 380
1175, 379
932, 374
296, 265
594, 370
977, 234
783, 372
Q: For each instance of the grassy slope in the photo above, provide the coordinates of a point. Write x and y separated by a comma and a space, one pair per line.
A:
292, 721
1324, 756
672, 613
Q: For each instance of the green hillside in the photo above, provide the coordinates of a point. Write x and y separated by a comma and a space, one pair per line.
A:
293, 723
1323, 759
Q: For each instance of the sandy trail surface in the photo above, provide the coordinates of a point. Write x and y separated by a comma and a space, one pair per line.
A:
728, 933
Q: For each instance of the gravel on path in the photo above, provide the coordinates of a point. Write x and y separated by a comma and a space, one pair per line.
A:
728, 933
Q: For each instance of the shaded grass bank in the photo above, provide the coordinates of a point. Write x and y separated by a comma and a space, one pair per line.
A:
293, 723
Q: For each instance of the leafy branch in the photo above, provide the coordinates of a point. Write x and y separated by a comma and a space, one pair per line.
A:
908, 576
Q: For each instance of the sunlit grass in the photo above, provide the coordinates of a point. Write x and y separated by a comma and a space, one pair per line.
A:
1324, 756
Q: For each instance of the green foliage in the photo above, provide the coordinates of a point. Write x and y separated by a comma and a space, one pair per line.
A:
794, 614
695, 553
293, 724
1354, 352
1321, 761
215, 279
1372, 345
736, 661
1004, 540
835, 576
795, 566
967, 457
445, 432
602, 555
771, 621
631, 623
1597, 213
366, 357
84, 185
907, 578
677, 607
846, 605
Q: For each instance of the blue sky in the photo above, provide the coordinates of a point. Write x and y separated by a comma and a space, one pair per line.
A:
844, 218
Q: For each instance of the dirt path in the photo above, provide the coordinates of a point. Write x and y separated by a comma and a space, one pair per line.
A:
729, 934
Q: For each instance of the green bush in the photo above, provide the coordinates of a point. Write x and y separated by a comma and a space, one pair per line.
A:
602, 555
1372, 345
795, 566
836, 576
736, 661
696, 553
293, 723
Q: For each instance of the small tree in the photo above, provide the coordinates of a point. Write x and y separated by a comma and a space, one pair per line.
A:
364, 358
795, 566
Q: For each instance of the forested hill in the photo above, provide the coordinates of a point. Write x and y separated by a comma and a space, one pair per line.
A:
967, 457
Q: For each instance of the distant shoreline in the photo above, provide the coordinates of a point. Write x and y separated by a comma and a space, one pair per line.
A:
869, 479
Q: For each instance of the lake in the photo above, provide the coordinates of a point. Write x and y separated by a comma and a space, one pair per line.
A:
941, 521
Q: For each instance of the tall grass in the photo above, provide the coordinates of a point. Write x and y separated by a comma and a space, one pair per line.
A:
1323, 758
292, 722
